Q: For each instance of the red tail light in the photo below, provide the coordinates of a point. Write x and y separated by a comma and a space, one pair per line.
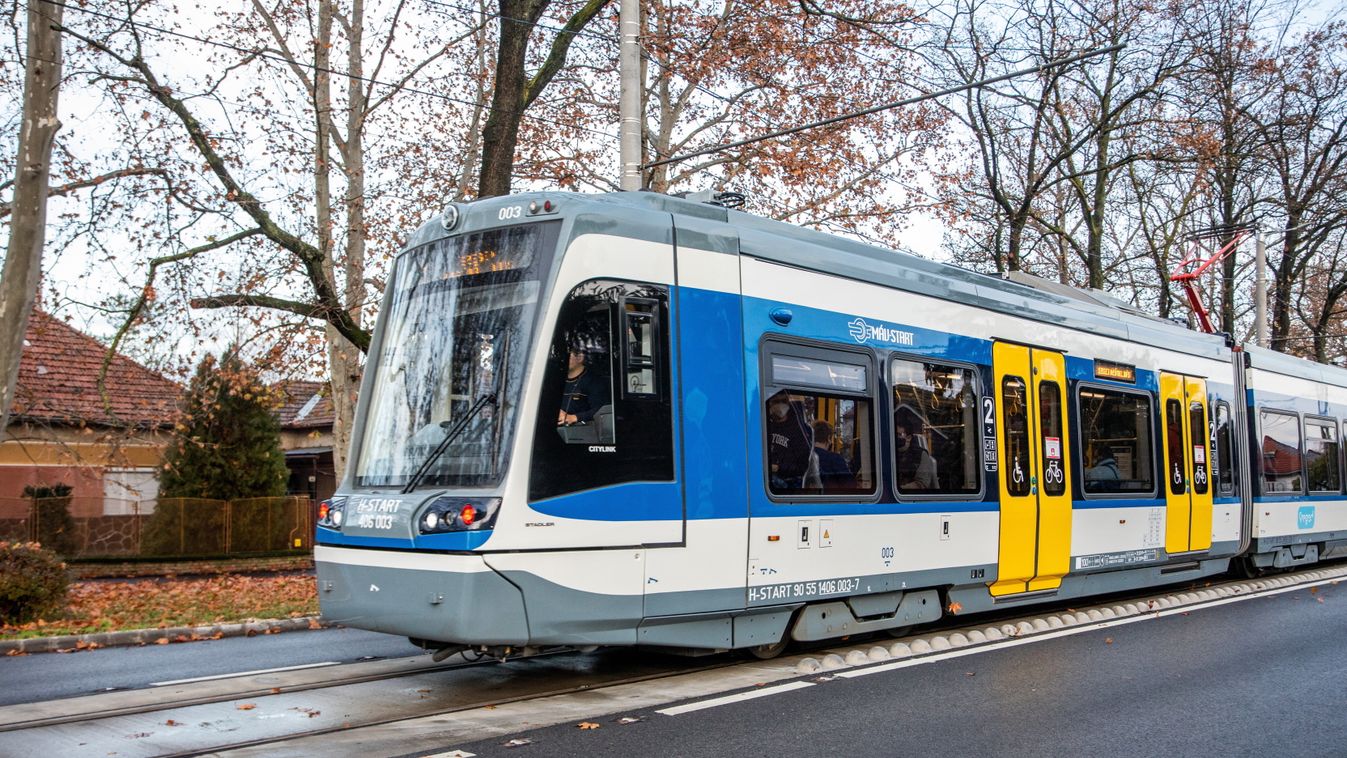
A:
323, 509
467, 515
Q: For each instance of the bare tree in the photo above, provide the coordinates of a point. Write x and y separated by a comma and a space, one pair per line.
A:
516, 90
744, 67
1221, 88
1303, 124
28, 225
1068, 126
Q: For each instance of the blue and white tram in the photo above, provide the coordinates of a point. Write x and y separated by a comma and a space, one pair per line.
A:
633, 419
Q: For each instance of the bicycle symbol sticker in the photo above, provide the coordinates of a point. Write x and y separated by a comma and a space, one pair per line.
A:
1054, 474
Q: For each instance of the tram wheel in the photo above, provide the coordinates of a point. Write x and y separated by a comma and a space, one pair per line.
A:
899, 631
1246, 568
771, 650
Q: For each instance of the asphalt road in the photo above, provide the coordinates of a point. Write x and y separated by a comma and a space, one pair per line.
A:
1262, 677
45, 676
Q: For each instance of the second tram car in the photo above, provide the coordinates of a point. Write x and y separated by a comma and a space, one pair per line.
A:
635, 419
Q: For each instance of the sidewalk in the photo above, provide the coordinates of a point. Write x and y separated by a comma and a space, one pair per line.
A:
146, 569
172, 576
73, 642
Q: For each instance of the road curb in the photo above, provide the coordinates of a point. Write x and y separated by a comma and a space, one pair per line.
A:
130, 637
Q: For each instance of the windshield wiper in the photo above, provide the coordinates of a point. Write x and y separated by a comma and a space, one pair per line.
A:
457, 429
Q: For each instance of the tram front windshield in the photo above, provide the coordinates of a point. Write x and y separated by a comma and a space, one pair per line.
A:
460, 312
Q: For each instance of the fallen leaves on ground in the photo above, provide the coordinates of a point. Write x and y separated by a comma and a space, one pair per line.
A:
160, 603
245, 706
587, 725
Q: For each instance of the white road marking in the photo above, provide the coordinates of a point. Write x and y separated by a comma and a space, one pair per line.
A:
1041, 636
245, 673
750, 695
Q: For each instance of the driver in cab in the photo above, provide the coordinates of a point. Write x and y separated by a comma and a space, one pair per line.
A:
584, 392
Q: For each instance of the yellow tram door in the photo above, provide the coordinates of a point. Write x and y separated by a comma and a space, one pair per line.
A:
1033, 469
1187, 463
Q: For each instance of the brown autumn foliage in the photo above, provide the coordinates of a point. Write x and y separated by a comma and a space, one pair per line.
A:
106, 606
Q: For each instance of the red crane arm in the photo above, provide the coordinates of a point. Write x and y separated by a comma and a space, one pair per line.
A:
1193, 266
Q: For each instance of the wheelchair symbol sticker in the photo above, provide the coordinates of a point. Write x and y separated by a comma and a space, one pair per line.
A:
1017, 473
1178, 474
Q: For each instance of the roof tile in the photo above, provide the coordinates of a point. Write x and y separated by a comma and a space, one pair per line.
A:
58, 381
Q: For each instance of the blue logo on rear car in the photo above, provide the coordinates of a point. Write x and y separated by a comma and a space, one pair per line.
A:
1305, 517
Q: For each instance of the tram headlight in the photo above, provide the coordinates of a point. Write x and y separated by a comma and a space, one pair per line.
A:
459, 514
331, 512
430, 522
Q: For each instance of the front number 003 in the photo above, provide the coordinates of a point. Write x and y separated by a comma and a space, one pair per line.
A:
509, 212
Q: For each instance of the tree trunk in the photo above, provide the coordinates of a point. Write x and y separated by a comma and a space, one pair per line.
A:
343, 357
27, 234
1284, 281
507, 101
1012, 257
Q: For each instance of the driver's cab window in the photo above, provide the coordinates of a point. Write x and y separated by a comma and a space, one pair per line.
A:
605, 412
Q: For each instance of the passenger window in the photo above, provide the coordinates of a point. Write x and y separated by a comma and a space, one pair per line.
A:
935, 428
1225, 471
590, 433
1280, 452
1197, 424
1015, 402
1174, 431
1050, 427
818, 423
1321, 456
1115, 431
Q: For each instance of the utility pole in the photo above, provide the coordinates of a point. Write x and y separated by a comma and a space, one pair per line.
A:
1260, 290
28, 224
629, 103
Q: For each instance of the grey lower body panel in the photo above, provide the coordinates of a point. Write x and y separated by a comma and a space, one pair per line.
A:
976, 598
478, 607
1269, 544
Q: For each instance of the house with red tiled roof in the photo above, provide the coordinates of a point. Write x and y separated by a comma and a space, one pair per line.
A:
1281, 466
306, 420
63, 431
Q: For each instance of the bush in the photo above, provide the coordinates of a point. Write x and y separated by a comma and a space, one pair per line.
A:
227, 441
33, 582
51, 509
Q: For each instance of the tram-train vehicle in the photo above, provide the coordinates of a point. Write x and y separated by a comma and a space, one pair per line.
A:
642, 420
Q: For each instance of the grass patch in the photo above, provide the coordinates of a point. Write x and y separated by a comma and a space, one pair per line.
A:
158, 603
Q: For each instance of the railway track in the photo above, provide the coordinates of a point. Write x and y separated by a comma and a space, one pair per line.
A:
402, 705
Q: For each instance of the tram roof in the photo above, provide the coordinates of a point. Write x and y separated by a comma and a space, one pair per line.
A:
1029, 297
1023, 296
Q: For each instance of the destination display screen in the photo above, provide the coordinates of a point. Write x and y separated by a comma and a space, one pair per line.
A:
490, 251
1117, 372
